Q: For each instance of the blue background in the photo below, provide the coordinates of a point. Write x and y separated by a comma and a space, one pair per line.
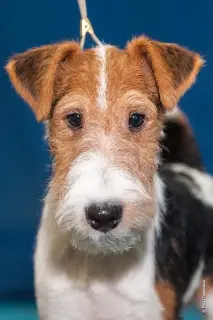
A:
24, 157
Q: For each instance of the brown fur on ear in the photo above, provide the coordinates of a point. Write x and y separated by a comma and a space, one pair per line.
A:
174, 67
32, 73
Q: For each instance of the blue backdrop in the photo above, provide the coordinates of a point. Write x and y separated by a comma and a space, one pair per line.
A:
24, 156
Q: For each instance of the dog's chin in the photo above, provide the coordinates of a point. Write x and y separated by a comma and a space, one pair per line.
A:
100, 243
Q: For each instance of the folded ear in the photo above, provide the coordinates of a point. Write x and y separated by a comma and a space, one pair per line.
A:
174, 67
33, 72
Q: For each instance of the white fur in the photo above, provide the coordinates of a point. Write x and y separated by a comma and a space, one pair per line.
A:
94, 179
194, 283
202, 187
46, 130
172, 114
102, 79
71, 285
159, 189
162, 134
209, 306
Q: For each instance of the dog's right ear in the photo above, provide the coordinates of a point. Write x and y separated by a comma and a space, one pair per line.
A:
32, 73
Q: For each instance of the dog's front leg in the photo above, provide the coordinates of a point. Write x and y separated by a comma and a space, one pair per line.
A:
58, 294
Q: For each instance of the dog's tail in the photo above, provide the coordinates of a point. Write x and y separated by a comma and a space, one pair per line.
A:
178, 141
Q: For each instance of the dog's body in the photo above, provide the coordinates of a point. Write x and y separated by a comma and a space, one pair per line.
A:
124, 286
117, 227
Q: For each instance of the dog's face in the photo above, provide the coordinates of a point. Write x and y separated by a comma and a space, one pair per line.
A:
104, 109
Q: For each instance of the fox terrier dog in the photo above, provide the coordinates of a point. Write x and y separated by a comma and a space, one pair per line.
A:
128, 217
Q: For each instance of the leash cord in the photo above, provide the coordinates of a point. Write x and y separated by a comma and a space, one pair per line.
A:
85, 25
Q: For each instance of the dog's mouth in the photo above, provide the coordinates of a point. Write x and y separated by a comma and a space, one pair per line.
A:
106, 244
116, 240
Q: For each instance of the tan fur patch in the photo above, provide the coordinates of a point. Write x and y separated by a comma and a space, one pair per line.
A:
107, 130
33, 73
175, 68
168, 299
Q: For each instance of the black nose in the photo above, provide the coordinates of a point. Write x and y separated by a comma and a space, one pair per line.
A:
104, 217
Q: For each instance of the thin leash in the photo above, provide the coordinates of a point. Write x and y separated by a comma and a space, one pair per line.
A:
85, 25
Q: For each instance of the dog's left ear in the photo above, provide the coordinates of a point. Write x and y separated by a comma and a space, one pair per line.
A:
174, 67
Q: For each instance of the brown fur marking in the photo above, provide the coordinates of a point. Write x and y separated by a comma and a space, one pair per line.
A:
33, 73
174, 67
168, 299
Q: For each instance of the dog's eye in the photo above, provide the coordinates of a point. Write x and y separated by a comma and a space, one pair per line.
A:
75, 120
136, 120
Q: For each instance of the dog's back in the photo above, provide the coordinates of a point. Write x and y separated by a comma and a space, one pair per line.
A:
184, 248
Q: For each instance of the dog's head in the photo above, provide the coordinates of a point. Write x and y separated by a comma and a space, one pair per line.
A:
104, 108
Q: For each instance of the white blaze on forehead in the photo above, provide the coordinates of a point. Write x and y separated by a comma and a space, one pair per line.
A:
102, 77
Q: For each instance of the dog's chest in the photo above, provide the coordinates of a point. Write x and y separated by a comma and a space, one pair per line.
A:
123, 301
127, 295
